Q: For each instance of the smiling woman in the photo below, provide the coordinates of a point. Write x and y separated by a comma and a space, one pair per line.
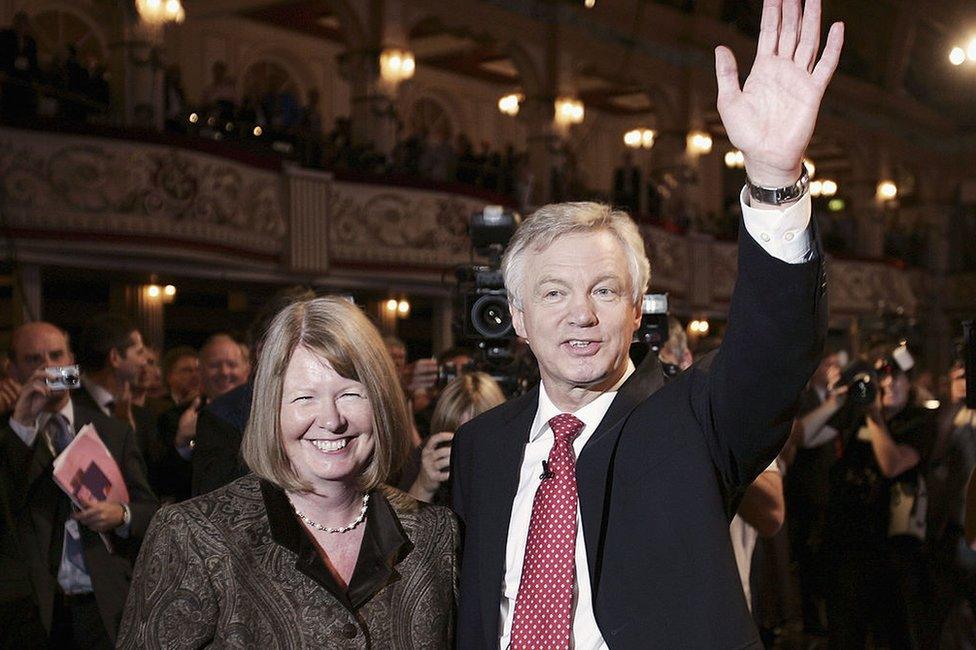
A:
312, 547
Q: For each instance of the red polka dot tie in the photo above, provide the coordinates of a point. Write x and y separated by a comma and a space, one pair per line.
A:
544, 605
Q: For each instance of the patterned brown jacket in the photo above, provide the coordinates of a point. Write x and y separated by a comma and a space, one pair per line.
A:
234, 569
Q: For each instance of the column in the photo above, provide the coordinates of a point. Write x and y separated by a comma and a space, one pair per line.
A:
147, 311
542, 144
29, 291
372, 112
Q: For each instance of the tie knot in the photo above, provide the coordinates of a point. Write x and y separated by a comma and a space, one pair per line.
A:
565, 427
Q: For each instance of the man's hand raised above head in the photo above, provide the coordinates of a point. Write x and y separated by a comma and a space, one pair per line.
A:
772, 117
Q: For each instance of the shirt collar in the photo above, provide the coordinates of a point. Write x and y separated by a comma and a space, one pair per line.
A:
591, 415
99, 393
384, 545
68, 411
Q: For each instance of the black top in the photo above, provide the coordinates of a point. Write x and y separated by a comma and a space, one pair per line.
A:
860, 494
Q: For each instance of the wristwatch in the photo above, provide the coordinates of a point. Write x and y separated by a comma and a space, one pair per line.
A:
780, 195
126, 515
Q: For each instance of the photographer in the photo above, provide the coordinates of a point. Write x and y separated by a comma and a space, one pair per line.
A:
466, 396
876, 513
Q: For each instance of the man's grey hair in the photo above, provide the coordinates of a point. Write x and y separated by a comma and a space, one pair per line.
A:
550, 222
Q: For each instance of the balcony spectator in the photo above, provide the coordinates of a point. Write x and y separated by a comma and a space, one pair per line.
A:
174, 98
18, 62
221, 95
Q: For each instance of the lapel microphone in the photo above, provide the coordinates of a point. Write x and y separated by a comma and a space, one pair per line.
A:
546, 472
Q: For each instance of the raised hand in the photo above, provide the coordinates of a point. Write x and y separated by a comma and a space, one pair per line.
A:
772, 117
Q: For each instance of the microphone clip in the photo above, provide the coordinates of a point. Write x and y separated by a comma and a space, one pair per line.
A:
546, 472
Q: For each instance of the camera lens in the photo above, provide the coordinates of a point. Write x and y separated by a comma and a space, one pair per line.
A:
70, 380
863, 389
490, 316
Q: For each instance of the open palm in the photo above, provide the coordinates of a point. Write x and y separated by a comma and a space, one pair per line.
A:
772, 117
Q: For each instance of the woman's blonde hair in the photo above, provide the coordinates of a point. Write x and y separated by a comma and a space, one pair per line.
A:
464, 397
339, 332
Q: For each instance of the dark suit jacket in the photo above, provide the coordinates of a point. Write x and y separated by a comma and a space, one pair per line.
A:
235, 569
217, 451
658, 478
35, 500
175, 472
147, 437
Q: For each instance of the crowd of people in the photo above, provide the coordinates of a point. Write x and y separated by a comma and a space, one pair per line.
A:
625, 503
69, 86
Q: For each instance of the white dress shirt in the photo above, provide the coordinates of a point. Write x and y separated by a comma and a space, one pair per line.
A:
785, 235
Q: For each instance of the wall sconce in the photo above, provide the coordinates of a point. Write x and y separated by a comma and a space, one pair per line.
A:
735, 159
825, 187
396, 65
164, 295
398, 308
699, 327
699, 143
640, 138
887, 190
569, 111
509, 104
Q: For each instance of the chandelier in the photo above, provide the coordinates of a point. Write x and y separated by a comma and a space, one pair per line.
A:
160, 12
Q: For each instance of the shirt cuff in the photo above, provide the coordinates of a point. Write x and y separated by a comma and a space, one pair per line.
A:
27, 434
123, 530
783, 233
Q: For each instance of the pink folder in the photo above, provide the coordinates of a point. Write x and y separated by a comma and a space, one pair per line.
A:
86, 471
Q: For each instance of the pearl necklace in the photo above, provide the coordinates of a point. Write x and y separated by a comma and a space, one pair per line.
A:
325, 529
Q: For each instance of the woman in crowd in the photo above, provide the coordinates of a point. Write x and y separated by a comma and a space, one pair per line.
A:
311, 549
466, 396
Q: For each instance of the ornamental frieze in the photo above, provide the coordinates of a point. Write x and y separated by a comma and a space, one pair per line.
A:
73, 183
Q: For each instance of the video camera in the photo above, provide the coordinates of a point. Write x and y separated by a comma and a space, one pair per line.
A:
484, 320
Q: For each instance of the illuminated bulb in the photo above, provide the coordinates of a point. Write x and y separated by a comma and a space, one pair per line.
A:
735, 159
153, 4
169, 290
569, 110
403, 307
391, 304
932, 404
816, 188
829, 188
257, 131
589, 4
153, 291
836, 205
971, 49
887, 190
396, 65
811, 168
699, 143
703, 327
194, 118
957, 56
632, 138
730, 159
509, 104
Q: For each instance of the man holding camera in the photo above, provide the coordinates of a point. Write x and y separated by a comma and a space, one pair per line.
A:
75, 585
596, 507
875, 522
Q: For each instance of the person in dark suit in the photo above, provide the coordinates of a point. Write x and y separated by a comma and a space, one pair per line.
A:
19, 69
113, 358
596, 507
223, 367
77, 585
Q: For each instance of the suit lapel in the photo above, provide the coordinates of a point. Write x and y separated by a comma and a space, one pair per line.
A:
496, 493
594, 466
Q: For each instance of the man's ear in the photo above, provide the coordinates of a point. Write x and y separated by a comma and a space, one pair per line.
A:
638, 312
114, 358
518, 320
